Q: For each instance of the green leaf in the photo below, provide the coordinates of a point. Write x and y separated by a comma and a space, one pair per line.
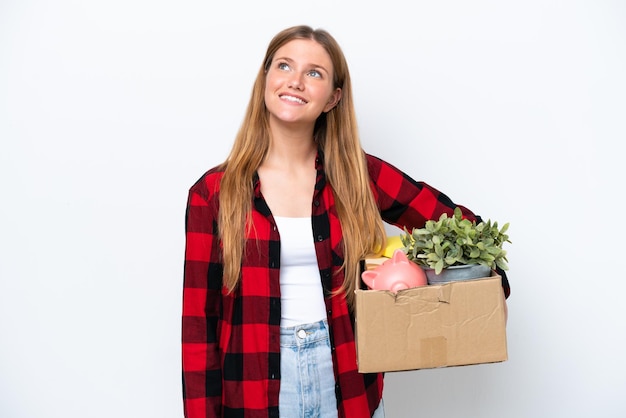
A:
439, 267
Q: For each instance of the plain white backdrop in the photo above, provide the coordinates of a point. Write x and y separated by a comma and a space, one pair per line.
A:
110, 110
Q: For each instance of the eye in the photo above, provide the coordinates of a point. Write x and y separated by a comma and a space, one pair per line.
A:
283, 66
315, 74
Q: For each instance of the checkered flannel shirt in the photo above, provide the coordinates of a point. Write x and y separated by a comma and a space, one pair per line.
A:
230, 342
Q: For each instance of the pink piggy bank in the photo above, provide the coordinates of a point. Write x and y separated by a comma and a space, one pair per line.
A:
395, 274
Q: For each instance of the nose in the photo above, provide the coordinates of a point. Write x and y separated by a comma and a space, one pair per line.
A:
295, 81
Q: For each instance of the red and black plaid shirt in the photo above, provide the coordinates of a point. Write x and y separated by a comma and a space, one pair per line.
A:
231, 342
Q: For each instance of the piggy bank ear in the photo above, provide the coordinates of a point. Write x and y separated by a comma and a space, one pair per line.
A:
369, 277
399, 257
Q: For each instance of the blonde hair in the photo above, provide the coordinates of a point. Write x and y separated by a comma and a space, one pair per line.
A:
336, 133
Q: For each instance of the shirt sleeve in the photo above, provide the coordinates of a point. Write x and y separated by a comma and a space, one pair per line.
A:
201, 366
405, 202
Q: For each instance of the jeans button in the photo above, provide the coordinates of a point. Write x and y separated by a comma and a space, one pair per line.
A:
301, 333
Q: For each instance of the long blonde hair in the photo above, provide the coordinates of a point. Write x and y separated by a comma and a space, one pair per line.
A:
336, 133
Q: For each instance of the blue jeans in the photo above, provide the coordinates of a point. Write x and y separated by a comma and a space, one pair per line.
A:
307, 381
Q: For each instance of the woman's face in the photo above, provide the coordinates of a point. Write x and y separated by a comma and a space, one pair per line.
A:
299, 83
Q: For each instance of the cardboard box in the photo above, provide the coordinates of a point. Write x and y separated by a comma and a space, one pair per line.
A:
453, 324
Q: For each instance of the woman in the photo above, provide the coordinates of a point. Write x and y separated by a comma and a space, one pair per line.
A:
274, 241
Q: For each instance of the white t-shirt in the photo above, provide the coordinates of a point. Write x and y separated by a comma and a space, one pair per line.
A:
302, 297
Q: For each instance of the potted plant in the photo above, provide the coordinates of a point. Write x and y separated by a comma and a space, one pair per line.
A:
454, 248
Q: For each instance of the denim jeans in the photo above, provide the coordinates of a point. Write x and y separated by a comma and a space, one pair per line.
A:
307, 381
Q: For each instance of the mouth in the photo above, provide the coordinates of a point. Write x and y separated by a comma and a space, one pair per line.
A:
292, 99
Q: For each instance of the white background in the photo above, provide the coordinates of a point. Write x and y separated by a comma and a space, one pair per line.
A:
110, 110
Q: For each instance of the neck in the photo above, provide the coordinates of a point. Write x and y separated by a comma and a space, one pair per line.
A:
289, 154
291, 147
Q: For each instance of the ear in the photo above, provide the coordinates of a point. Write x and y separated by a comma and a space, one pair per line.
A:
333, 100
399, 257
369, 276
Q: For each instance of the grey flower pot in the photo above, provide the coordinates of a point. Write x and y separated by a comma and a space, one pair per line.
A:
456, 273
